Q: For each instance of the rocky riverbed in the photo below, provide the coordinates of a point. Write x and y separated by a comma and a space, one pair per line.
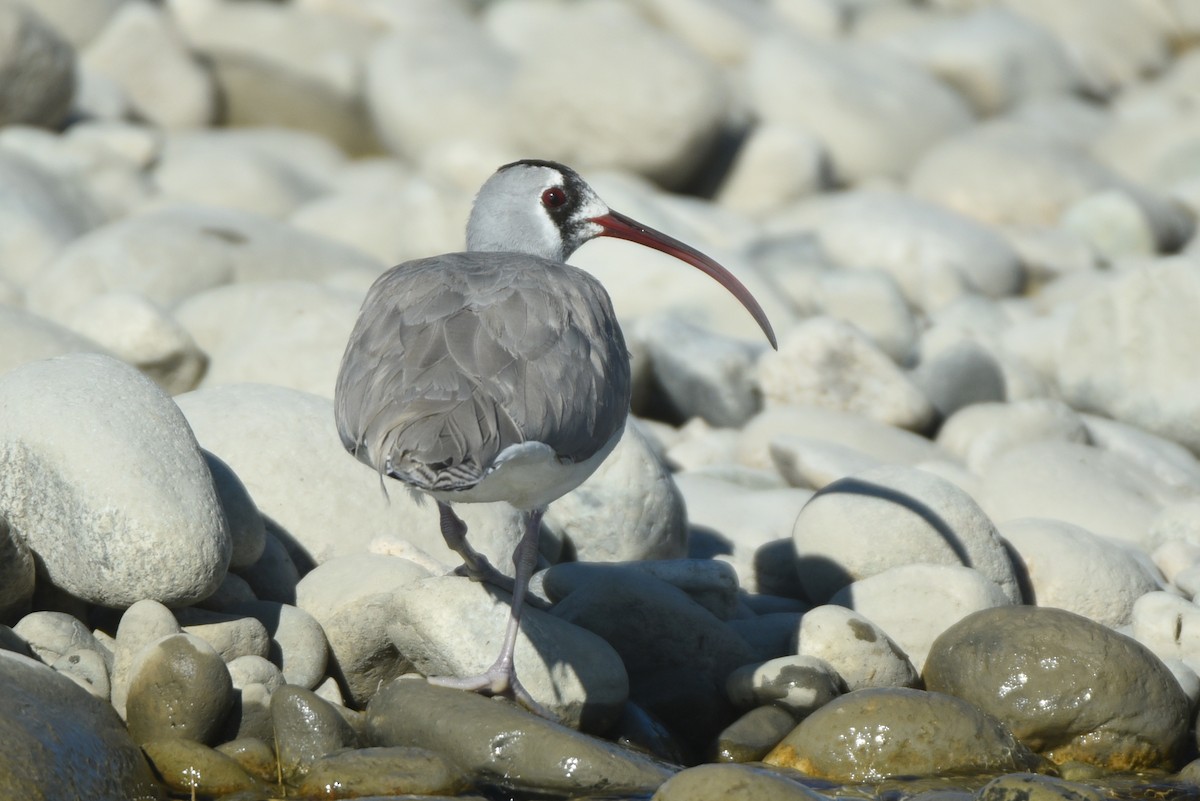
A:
944, 544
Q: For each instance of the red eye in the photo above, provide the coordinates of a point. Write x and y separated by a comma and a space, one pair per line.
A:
554, 197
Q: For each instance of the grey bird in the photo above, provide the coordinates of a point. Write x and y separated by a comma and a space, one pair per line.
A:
500, 374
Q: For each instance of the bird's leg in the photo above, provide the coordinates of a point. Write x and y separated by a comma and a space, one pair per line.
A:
475, 565
501, 677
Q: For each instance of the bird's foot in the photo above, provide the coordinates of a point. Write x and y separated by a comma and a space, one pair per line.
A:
496, 680
480, 569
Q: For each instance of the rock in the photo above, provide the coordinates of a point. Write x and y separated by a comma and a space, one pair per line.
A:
1113, 224
826, 362
722, 31
629, 509
1034, 786
936, 597
817, 86
139, 518
255, 428
733, 783
663, 131
914, 733
677, 656
1168, 626
463, 727
771, 635
77, 21
231, 636
16, 574
246, 527
73, 747
710, 583
254, 756
250, 714
53, 635
861, 653
958, 376
274, 575
775, 165
754, 734
38, 68
934, 254
981, 433
731, 523
143, 624
187, 767
775, 428
1068, 567
42, 211
996, 58
354, 600
813, 464
178, 92
298, 644
1167, 462
88, 668
173, 252
252, 669
287, 333
1101, 371
178, 689
391, 771
700, 373
143, 334
451, 626
923, 519
306, 729
1075, 483
1040, 662
800, 684
30, 338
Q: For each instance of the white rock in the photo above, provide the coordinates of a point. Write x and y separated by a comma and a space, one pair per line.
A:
288, 333
700, 373
711, 583
1112, 223
775, 165
934, 254
856, 100
231, 636
256, 428
892, 516
144, 335
1176, 522
961, 375
353, 598
78, 21
802, 684
662, 131
250, 669
1105, 366
934, 598
143, 623
1075, 483
451, 626
40, 212
106, 483
30, 338
172, 253
86, 668
993, 56
883, 442
700, 445
16, 573
1168, 462
246, 526
856, 648
1174, 558
298, 643
1071, 568
52, 635
177, 92
1169, 626
826, 362
38, 68
813, 463
629, 509
737, 524
978, 434
874, 302
723, 30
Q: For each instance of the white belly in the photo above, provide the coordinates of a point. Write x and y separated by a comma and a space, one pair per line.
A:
529, 476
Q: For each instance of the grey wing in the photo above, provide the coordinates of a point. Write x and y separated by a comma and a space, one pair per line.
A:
456, 357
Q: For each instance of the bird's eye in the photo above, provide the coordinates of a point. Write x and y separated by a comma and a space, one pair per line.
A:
554, 197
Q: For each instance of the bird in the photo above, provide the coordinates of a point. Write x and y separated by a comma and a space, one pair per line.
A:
500, 373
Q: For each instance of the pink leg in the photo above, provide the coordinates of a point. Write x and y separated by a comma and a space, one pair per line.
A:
475, 565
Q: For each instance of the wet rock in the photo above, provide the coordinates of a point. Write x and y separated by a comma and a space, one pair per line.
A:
913, 733
1033, 787
306, 728
178, 688
856, 648
801, 684
733, 783
186, 766
385, 771
354, 599
1041, 662
141, 625
73, 747
928, 520
451, 626
255, 757
502, 744
84, 435
754, 734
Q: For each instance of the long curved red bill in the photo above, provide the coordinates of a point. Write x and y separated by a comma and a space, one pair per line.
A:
619, 226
